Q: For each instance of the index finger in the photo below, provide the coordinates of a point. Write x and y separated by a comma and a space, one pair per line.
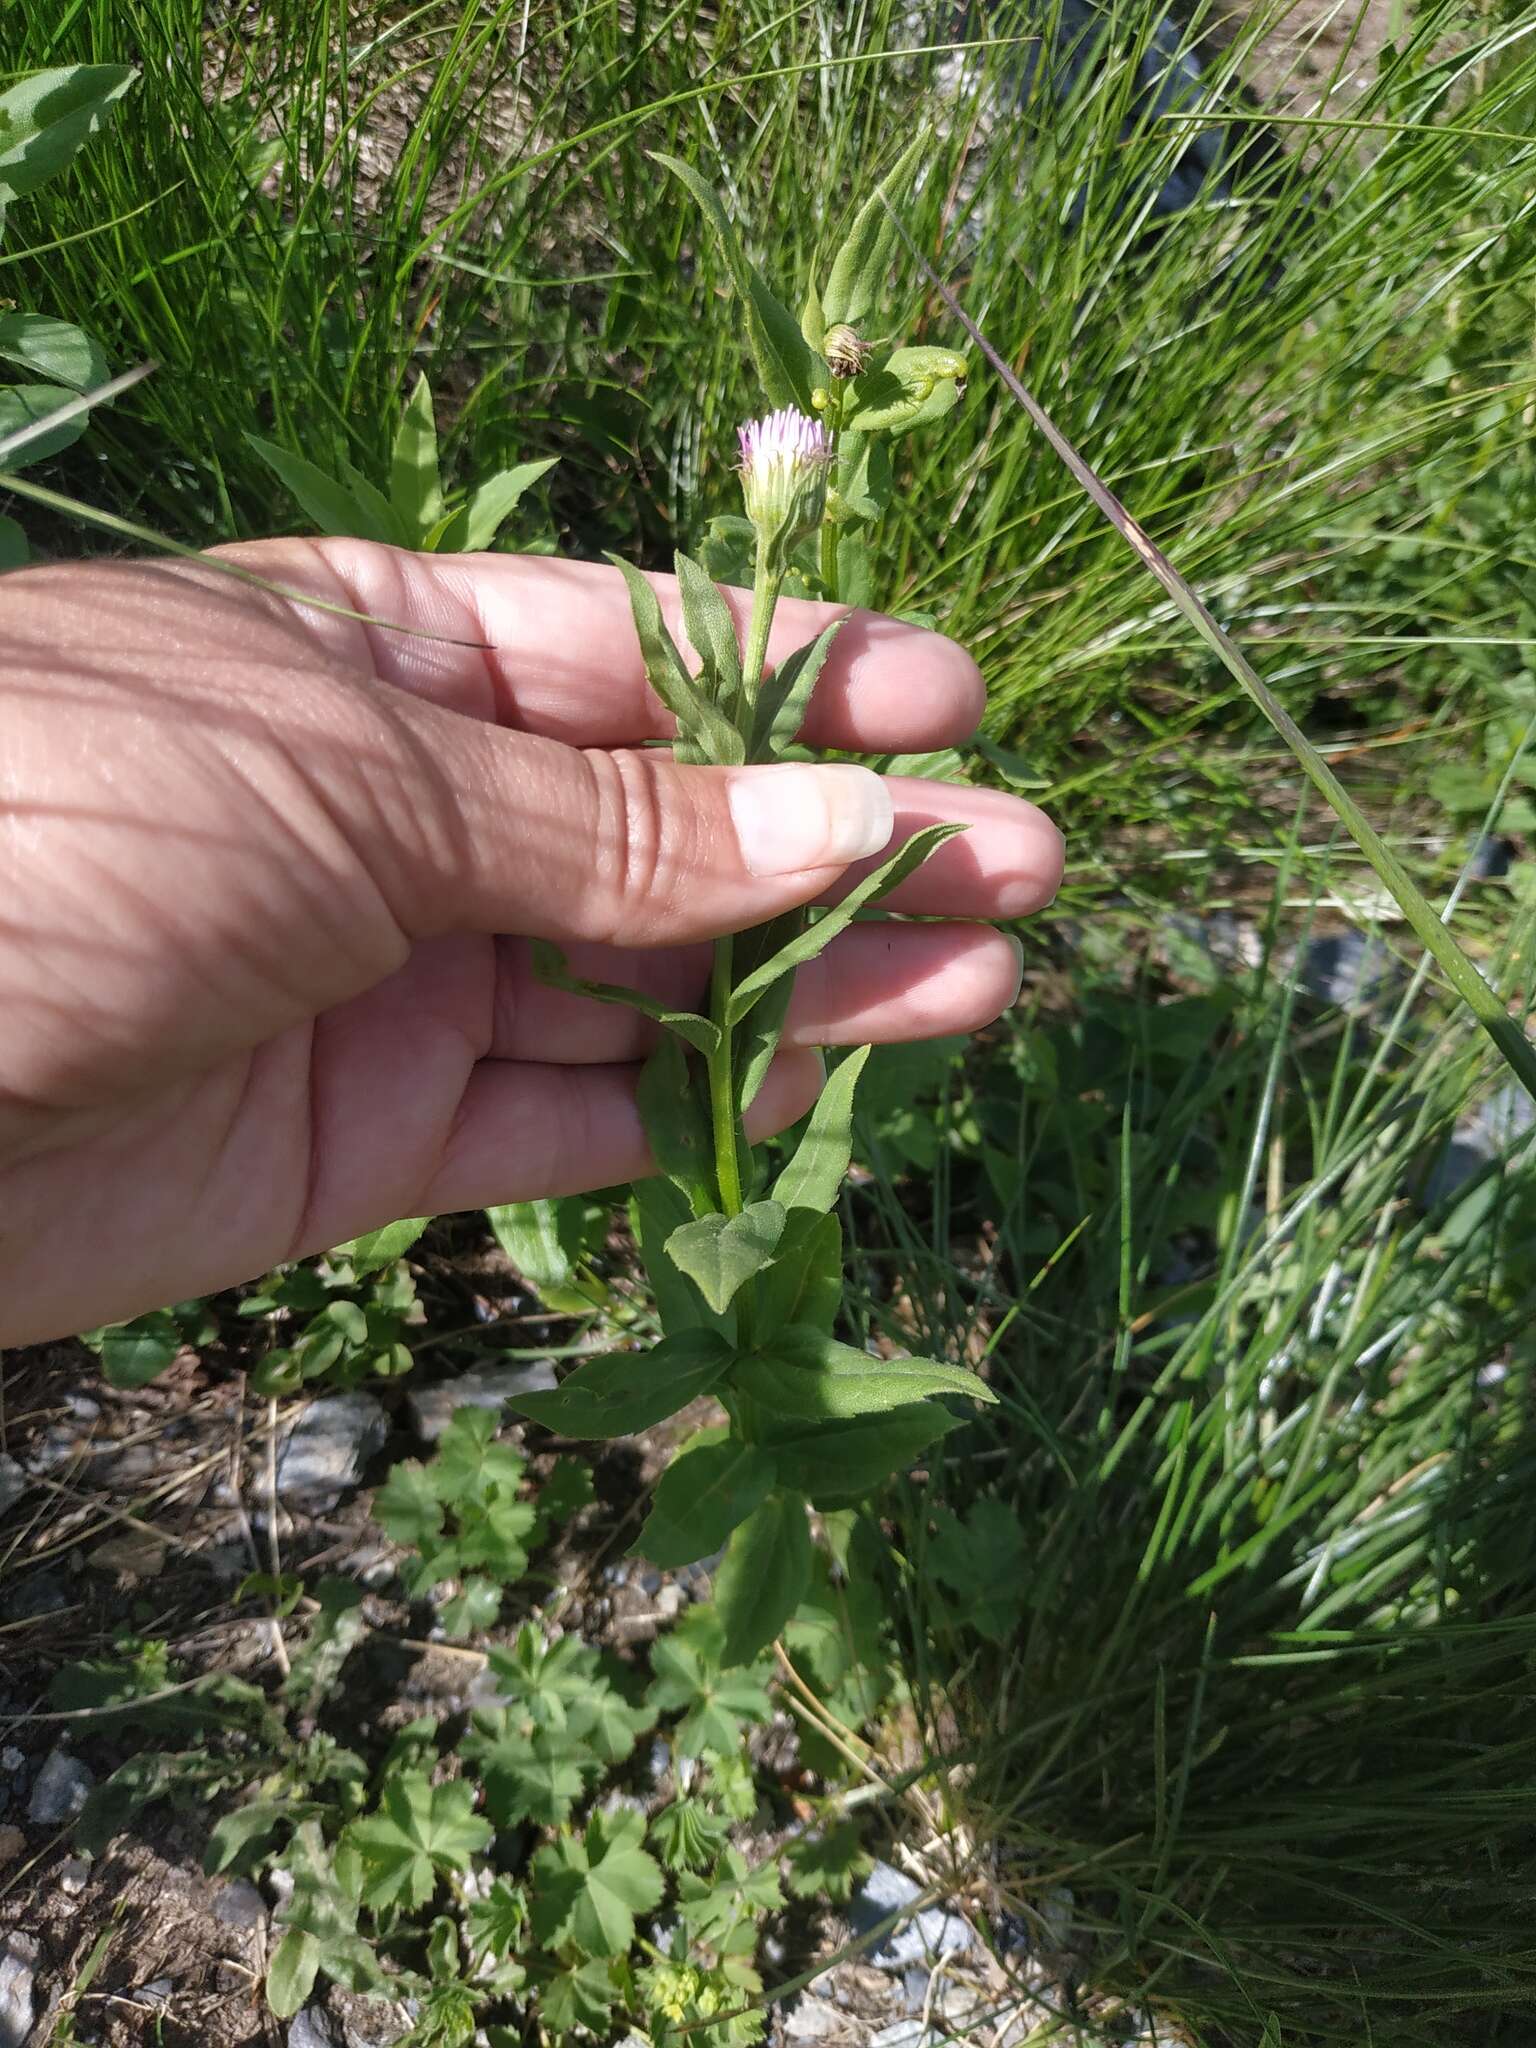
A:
553, 650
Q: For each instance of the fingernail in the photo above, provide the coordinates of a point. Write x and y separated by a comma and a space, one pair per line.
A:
1018, 953
803, 815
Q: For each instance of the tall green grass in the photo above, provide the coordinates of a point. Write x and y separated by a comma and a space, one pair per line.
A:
1316, 390
1253, 1514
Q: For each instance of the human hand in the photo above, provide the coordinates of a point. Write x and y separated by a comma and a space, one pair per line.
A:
268, 876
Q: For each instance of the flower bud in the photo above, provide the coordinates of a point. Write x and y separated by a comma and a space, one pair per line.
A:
845, 352
784, 464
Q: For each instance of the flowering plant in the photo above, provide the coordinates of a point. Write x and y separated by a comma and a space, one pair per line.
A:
745, 1264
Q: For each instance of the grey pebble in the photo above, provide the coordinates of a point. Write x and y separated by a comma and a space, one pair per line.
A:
239, 1904
328, 1447
312, 2028
924, 1938
60, 1790
483, 1386
18, 1953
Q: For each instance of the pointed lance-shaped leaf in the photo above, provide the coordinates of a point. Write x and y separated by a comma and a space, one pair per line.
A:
860, 265
708, 1490
784, 697
415, 482
549, 966
627, 1391
820, 1162
763, 1577
803, 1374
712, 630
700, 721
818, 936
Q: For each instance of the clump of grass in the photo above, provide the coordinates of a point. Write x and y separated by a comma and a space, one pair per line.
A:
1248, 1673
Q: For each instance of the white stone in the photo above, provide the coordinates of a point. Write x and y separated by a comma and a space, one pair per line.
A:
61, 1789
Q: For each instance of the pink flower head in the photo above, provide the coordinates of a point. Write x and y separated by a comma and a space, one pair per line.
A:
784, 463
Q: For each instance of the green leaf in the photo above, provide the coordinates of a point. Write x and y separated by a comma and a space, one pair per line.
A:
813, 321
291, 1972
372, 503
984, 1561
470, 1464
473, 1608
702, 724
763, 1577
46, 116
549, 965
415, 483
686, 1677
132, 1354
581, 1997
420, 1831
495, 1923
52, 350
864, 484
784, 697
544, 1240
707, 1490
687, 1835
236, 1834
818, 936
806, 1375
805, 1282
815, 1174
828, 1865
330, 506
859, 268
486, 510
535, 1776
784, 360
676, 1120
14, 548
912, 387
376, 1249
758, 1039
407, 1507
720, 1254
712, 631
656, 1208
735, 1895
836, 1461
587, 1892
629, 1390
23, 405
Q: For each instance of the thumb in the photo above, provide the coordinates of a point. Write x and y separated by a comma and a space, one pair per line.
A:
627, 847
